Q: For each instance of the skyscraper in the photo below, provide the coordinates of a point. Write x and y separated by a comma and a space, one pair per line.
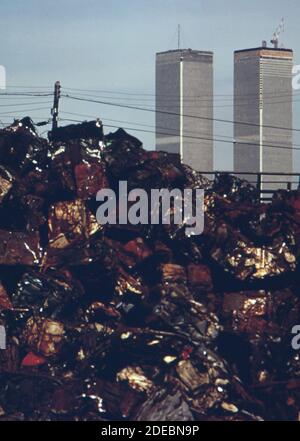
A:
263, 100
184, 106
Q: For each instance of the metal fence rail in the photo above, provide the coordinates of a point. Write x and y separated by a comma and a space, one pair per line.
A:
266, 182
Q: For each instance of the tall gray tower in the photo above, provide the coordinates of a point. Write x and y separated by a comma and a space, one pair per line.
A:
184, 87
263, 97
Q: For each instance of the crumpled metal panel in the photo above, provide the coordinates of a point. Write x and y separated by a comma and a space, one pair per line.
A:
70, 221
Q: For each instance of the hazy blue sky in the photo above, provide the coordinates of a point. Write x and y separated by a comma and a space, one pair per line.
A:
111, 44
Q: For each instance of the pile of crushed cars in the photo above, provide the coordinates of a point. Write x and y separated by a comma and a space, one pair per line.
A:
140, 322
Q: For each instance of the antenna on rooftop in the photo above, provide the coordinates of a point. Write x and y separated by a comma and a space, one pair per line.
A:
178, 36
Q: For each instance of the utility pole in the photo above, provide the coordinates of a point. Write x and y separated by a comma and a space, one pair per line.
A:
54, 110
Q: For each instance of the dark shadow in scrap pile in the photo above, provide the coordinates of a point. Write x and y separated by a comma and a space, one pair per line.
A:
140, 322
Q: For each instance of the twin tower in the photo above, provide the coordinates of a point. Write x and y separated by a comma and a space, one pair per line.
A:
262, 116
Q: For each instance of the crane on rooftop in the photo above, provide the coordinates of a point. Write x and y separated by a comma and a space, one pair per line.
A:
277, 32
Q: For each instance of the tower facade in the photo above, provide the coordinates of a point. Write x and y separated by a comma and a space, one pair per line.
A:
184, 106
263, 101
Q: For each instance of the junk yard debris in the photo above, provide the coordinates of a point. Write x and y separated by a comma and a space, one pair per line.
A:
140, 322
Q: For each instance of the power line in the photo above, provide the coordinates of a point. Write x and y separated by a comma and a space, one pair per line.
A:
134, 122
170, 113
151, 126
18, 97
209, 139
192, 137
24, 104
144, 109
126, 93
170, 95
10, 86
188, 102
25, 94
195, 98
27, 110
